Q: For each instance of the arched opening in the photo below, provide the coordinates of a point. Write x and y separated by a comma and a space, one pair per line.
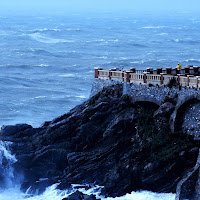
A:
186, 115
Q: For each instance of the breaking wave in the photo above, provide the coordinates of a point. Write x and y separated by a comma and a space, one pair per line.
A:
51, 193
153, 27
192, 61
186, 41
44, 39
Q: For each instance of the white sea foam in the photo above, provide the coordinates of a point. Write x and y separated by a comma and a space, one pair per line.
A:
52, 193
144, 195
44, 39
163, 34
73, 29
40, 97
152, 27
104, 57
46, 29
137, 62
5, 152
192, 60
67, 75
81, 96
43, 65
115, 40
176, 40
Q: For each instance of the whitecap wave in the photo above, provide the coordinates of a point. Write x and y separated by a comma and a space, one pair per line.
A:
191, 60
44, 39
152, 27
144, 195
81, 96
40, 97
73, 29
46, 29
189, 41
52, 193
176, 40
67, 75
42, 65
163, 34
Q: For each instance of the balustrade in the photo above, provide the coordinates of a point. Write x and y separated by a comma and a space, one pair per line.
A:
145, 77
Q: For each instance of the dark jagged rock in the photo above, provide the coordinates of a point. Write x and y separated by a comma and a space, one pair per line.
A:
161, 116
80, 196
107, 141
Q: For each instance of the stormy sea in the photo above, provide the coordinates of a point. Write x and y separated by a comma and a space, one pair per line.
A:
47, 67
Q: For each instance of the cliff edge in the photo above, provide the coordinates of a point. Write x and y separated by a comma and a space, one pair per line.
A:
107, 141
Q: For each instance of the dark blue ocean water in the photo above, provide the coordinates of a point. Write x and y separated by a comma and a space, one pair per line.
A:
47, 62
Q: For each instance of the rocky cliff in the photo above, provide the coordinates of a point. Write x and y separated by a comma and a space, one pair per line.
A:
108, 141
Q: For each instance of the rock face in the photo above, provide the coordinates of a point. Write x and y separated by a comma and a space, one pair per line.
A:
80, 196
107, 141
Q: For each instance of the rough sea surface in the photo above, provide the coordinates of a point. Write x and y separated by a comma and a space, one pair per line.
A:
47, 62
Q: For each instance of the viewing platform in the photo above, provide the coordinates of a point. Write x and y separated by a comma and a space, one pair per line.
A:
154, 86
189, 76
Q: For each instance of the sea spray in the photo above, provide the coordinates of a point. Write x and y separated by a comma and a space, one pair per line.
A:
6, 161
10, 189
51, 193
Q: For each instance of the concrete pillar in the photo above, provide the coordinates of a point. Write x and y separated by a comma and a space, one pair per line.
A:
132, 70
191, 70
128, 76
159, 70
109, 74
168, 70
96, 74
178, 79
161, 79
122, 76
188, 80
145, 77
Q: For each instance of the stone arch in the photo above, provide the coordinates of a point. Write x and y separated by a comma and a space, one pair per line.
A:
180, 103
145, 99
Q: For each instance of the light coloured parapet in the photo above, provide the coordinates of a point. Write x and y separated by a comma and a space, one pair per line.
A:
145, 77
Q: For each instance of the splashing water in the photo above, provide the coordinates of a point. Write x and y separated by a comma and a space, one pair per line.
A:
10, 187
6, 161
52, 193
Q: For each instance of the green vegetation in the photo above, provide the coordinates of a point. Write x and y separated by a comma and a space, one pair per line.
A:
172, 83
160, 144
126, 98
169, 99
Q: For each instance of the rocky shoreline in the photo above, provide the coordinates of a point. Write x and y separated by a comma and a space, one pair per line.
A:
108, 141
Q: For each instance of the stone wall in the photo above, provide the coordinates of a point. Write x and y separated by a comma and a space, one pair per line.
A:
99, 84
158, 95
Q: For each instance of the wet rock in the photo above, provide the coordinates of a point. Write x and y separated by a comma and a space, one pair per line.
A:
80, 196
161, 116
106, 141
